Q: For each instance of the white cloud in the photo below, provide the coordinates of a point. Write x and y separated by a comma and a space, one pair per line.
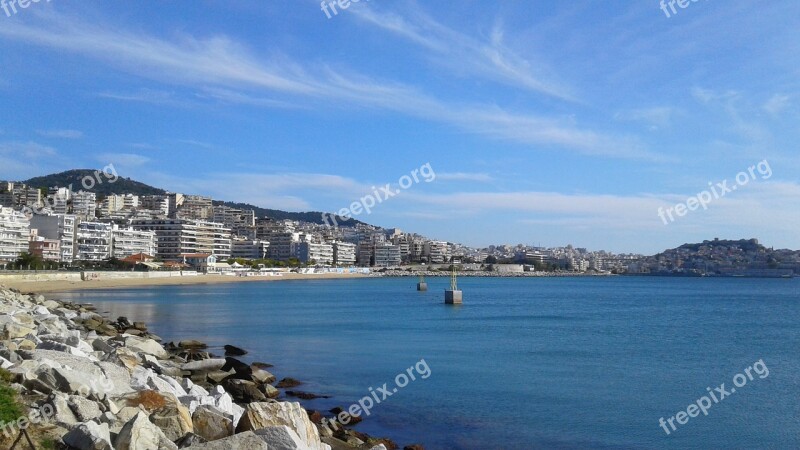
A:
61, 134
123, 159
462, 176
490, 59
229, 67
777, 104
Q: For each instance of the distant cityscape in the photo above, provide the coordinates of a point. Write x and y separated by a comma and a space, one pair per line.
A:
174, 231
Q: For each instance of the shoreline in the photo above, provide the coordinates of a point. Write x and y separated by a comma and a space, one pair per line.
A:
223, 402
52, 286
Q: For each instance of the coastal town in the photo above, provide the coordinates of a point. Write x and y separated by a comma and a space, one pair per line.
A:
58, 228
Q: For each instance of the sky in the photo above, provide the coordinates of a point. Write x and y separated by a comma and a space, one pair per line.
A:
545, 122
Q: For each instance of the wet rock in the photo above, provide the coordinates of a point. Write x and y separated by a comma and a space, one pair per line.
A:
288, 383
305, 395
231, 350
243, 391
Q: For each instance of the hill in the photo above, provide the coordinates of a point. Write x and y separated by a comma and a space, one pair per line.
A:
105, 184
90, 180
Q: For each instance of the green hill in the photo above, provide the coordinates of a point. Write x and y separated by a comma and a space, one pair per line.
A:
87, 180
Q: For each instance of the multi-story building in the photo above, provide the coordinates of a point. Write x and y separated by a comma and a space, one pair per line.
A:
280, 245
175, 237
114, 203
14, 234
92, 241
387, 255
127, 242
57, 201
249, 249
344, 254
84, 205
319, 253
46, 249
57, 227
437, 252
195, 207
159, 204
19, 195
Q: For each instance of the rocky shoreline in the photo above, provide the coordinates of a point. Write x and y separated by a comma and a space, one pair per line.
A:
91, 383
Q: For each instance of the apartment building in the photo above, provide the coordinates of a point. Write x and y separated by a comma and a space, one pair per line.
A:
195, 207
158, 204
19, 195
344, 254
84, 205
128, 241
60, 228
320, 253
249, 249
14, 234
92, 241
114, 203
387, 255
175, 237
46, 249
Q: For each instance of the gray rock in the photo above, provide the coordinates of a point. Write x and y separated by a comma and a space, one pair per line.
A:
15, 330
241, 441
140, 434
211, 423
84, 409
281, 438
262, 415
206, 365
148, 346
89, 436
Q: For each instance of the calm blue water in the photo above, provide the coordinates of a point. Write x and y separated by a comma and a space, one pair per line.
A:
525, 363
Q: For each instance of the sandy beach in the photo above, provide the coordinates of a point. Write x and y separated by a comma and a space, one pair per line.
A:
69, 285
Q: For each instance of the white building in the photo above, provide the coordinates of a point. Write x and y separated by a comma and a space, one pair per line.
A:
127, 242
57, 227
344, 254
14, 234
92, 241
114, 203
321, 254
175, 237
84, 205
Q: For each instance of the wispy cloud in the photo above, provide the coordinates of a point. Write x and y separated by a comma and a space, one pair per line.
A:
490, 58
656, 117
777, 104
462, 176
60, 134
123, 159
229, 66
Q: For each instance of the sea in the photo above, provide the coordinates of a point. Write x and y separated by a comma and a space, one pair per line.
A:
524, 363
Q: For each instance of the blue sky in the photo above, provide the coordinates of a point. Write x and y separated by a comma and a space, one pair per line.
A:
546, 122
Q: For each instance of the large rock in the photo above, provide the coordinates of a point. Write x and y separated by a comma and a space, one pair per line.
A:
140, 434
89, 436
84, 409
206, 365
173, 419
211, 423
147, 346
244, 391
14, 330
241, 441
281, 438
258, 416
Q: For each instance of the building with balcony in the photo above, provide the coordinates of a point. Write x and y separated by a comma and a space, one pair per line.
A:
249, 249
175, 237
344, 254
84, 205
14, 234
92, 241
387, 255
57, 227
318, 253
127, 242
